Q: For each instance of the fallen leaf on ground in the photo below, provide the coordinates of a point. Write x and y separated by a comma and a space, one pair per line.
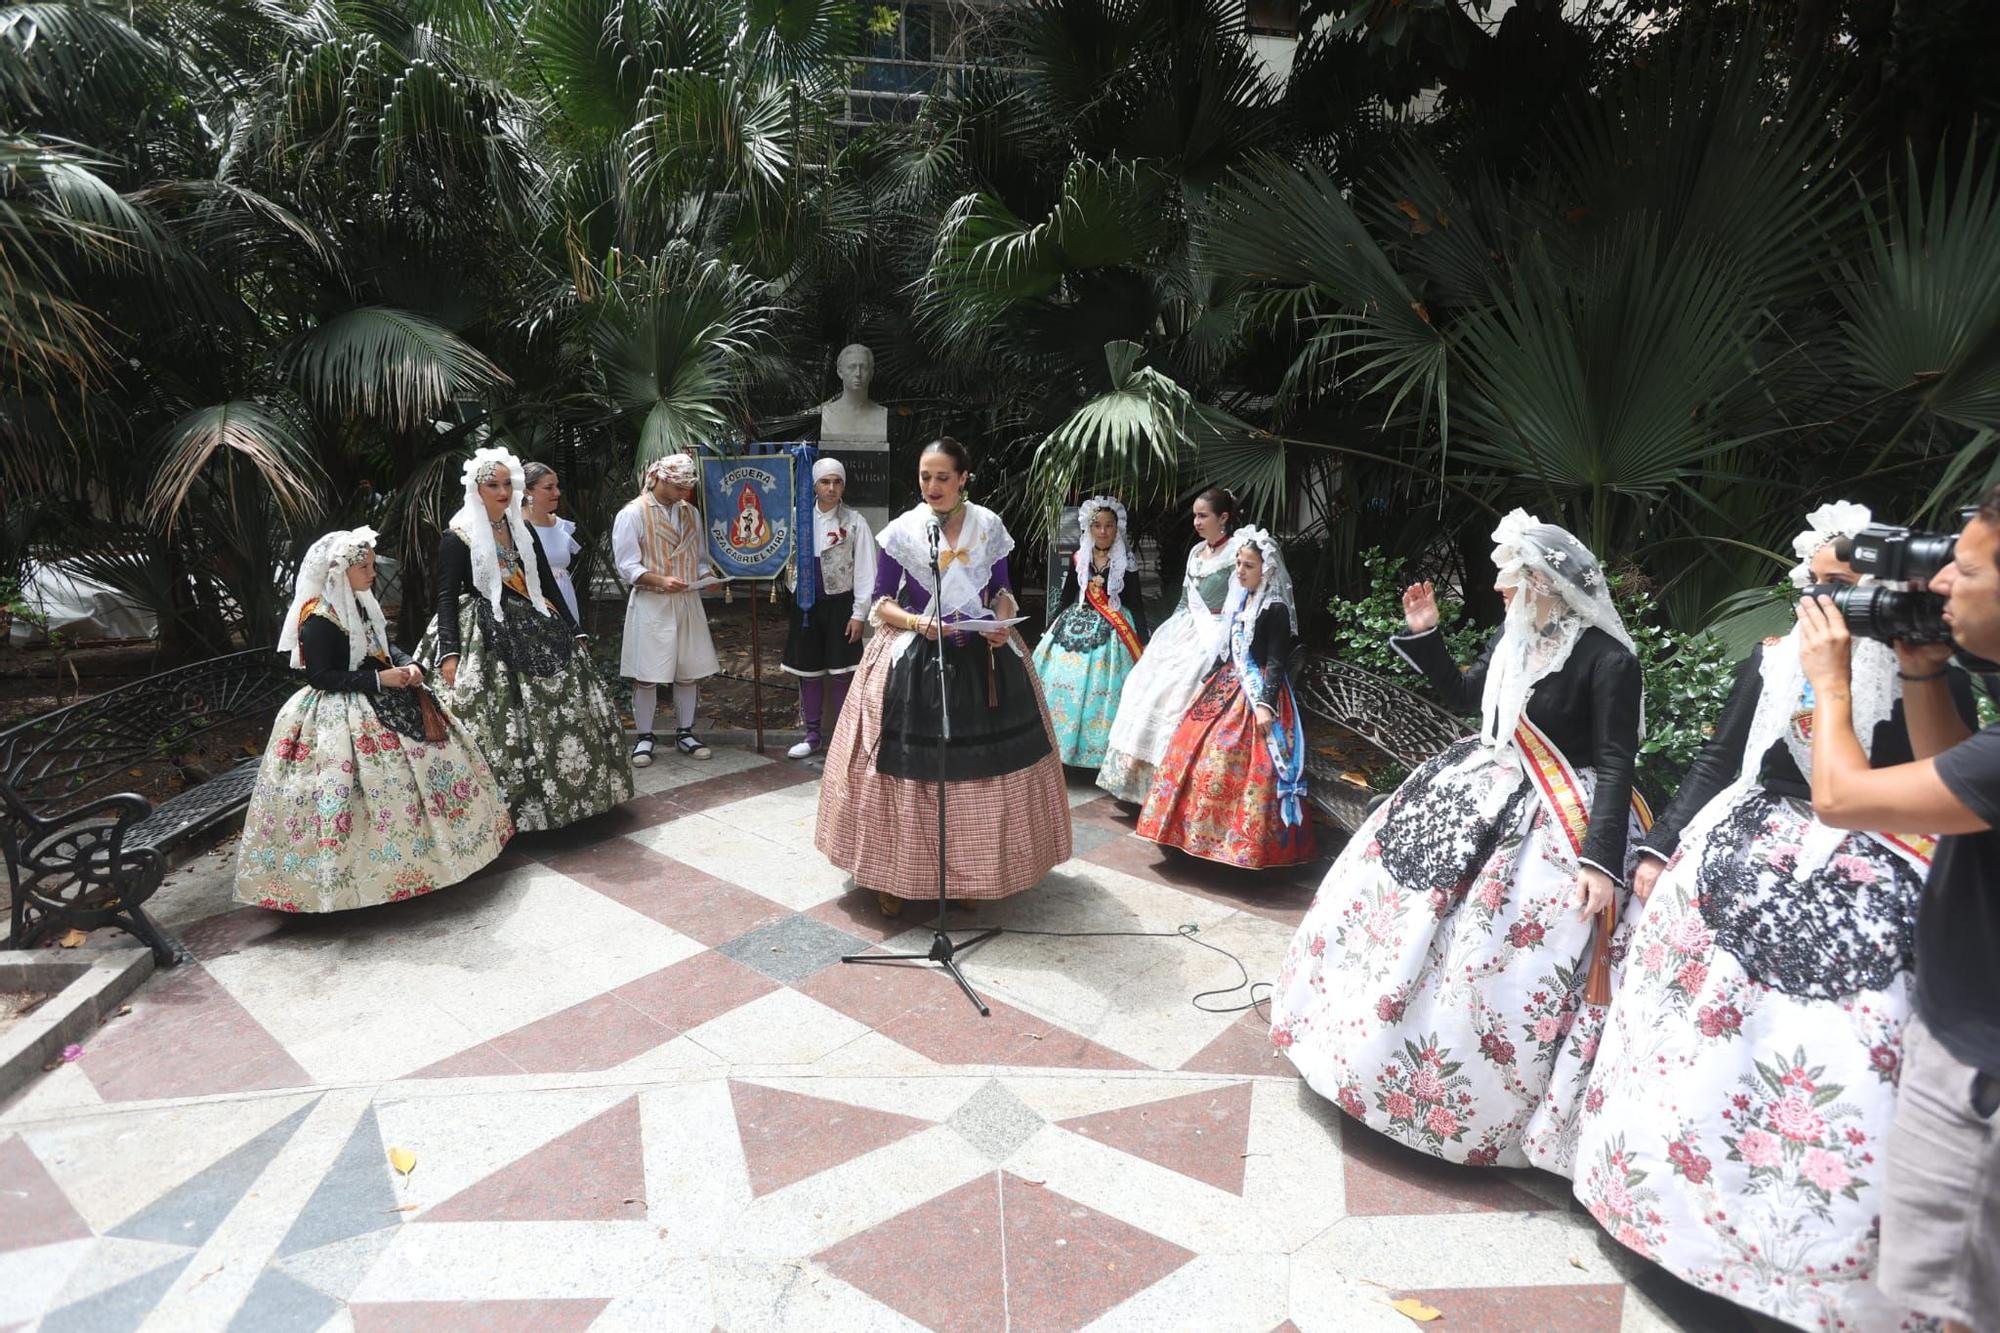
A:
403, 1160
72, 938
72, 1052
406, 1208
1412, 1308
123, 1010
1575, 1262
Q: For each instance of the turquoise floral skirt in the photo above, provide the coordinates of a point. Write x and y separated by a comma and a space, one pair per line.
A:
1083, 665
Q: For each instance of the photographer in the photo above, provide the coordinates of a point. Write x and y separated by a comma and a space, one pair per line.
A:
1941, 1216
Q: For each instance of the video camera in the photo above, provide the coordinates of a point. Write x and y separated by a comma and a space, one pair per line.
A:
1894, 556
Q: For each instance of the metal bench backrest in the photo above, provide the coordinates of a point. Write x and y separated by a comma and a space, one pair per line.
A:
1401, 723
50, 763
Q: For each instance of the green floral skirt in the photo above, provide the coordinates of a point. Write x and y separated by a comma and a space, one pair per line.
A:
528, 695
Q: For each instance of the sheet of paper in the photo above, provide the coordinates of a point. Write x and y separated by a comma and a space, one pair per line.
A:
986, 626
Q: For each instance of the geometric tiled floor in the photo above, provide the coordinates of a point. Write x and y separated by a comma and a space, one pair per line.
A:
636, 1089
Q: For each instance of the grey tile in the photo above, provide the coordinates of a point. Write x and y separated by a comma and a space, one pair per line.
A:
353, 1198
1086, 837
793, 948
190, 1213
116, 1309
281, 1304
995, 1121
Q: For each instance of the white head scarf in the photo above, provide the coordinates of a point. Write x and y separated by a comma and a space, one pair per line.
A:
1828, 523
829, 467
1242, 607
1560, 591
676, 468
1121, 558
471, 523
323, 575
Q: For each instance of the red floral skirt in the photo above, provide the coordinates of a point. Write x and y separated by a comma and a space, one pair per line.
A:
1215, 794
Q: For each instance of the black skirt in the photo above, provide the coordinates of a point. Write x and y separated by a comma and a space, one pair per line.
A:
821, 647
993, 731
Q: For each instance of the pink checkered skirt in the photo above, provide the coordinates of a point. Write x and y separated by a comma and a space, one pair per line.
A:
1004, 834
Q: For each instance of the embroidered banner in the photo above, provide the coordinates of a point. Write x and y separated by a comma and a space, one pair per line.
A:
749, 502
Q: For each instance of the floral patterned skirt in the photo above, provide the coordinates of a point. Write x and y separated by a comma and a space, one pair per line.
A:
1733, 1130
1435, 988
348, 813
1083, 666
1215, 795
554, 739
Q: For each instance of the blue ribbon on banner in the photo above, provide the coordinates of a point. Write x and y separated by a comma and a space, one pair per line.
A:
807, 593
751, 505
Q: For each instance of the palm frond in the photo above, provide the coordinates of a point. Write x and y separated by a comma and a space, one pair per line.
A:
390, 365
273, 442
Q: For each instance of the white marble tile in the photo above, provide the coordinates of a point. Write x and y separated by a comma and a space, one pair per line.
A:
791, 1296
461, 1136
462, 1261
31, 1279
391, 997
1218, 1293
669, 772
823, 1209
798, 878
786, 817
782, 1028
1465, 1250
112, 1166
66, 1089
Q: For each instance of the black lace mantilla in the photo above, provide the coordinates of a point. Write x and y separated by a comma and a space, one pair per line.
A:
1081, 630
398, 710
527, 641
1848, 928
1434, 835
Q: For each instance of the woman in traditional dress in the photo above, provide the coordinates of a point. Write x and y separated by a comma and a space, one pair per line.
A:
541, 493
823, 641
1231, 784
662, 555
1089, 650
1164, 682
1733, 1129
1436, 989
513, 663
1007, 806
368, 791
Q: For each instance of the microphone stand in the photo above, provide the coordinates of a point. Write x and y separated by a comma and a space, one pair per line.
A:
944, 950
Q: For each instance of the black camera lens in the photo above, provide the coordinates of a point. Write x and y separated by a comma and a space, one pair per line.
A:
1888, 614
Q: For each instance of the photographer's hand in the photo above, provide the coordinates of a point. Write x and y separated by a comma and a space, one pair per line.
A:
1825, 650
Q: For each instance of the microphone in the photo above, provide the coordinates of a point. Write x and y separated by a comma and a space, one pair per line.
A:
935, 530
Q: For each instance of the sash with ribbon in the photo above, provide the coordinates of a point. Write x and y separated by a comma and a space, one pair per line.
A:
1560, 788
1100, 602
1562, 793
1916, 849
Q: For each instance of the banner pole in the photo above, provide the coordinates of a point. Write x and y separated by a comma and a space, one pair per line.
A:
756, 674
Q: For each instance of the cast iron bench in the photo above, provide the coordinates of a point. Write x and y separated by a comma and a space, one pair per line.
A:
1396, 722
96, 863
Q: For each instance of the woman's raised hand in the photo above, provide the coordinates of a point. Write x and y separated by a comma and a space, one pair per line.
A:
1420, 608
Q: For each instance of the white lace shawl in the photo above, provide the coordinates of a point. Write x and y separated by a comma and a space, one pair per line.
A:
1120, 559
1560, 591
323, 575
471, 523
906, 540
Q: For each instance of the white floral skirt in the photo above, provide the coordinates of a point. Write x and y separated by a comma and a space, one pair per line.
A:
1734, 1126
1435, 988
349, 813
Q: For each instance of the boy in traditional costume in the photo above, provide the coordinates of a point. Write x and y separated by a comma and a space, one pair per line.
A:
658, 546
823, 645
